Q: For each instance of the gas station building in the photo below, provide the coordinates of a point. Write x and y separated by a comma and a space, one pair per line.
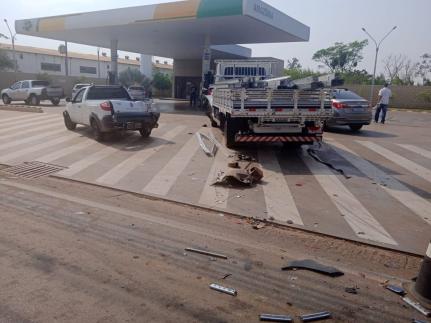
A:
194, 33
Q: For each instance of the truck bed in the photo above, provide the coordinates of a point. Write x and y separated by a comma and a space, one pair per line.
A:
273, 102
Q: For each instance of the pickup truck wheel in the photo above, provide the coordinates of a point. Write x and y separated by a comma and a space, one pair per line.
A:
70, 125
98, 134
145, 133
355, 128
33, 100
230, 132
6, 99
55, 102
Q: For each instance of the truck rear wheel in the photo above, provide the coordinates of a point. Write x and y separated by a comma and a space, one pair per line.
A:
145, 133
55, 102
98, 134
230, 131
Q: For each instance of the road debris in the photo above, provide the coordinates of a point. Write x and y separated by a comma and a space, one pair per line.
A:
275, 318
225, 290
314, 154
313, 266
418, 321
247, 174
206, 253
418, 307
315, 317
210, 150
259, 226
396, 290
351, 290
226, 276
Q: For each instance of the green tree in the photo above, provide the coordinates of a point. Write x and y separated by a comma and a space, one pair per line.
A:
295, 71
5, 61
161, 81
130, 77
357, 77
424, 68
341, 57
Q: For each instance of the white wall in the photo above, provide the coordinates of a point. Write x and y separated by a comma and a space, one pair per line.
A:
31, 63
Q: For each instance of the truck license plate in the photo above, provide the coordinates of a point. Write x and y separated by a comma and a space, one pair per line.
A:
134, 125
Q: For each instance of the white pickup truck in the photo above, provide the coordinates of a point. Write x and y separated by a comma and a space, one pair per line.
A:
32, 92
109, 109
251, 104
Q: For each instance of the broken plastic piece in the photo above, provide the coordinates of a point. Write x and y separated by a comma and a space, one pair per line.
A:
275, 318
315, 317
313, 266
418, 321
206, 253
222, 289
418, 307
396, 290
351, 290
210, 151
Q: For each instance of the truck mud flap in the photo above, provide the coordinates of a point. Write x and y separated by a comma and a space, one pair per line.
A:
284, 139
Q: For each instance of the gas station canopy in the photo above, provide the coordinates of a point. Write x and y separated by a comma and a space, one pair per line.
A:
179, 30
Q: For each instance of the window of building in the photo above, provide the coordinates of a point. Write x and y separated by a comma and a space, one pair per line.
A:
88, 70
50, 67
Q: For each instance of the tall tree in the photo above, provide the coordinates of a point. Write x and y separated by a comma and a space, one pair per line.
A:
424, 68
6, 62
162, 81
130, 76
341, 57
393, 65
293, 64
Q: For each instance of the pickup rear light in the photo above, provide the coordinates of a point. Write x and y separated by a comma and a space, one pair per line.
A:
252, 109
339, 105
106, 106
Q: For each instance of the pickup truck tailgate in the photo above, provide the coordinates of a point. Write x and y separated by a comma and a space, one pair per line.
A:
133, 110
55, 92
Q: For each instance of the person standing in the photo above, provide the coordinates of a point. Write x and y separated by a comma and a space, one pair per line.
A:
385, 95
193, 96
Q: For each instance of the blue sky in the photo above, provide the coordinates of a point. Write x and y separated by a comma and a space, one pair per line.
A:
330, 21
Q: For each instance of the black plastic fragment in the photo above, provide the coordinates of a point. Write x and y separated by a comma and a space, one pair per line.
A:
275, 318
396, 290
313, 266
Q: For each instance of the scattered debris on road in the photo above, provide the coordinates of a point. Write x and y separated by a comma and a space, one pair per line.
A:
259, 226
315, 317
351, 290
243, 175
225, 290
210, 150
206, 253
226, 276
314, 154
417, 306
396, 289
275, 318
313, 266
418, 321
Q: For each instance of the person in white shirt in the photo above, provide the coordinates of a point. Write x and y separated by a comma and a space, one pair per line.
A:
384, 96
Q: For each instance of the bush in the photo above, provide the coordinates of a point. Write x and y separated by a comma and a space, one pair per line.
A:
161, 81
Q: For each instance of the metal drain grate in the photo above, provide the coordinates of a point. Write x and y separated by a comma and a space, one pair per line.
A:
33, 169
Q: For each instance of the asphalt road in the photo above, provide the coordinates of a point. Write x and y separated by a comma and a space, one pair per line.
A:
71, 252
385, 201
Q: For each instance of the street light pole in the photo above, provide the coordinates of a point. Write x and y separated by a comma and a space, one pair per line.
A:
378, 44
12, 37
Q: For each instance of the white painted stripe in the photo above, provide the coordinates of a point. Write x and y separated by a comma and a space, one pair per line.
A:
412, 167
20, 133
397, 190
420, 151
429, 251
356, 215
163, 181
30, 139
212, 195
117, 173
28, 122
66, 151
279, 200
21, 117
36, 148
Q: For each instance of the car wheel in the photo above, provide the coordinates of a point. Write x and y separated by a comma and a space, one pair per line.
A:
145, 133
98, 134
55, 102
355, 127
6, 99
70, 125
34, 100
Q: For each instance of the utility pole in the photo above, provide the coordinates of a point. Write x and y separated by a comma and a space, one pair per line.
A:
12, 37
66, 59
378, 44
98, 62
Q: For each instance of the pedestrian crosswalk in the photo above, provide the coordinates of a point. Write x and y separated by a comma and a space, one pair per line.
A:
158, 166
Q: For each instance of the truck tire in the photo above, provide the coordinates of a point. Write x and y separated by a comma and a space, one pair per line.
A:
55, 102
70, 125
355, 127
230, 131
6, 99
33, 100
97, 133
145, 133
